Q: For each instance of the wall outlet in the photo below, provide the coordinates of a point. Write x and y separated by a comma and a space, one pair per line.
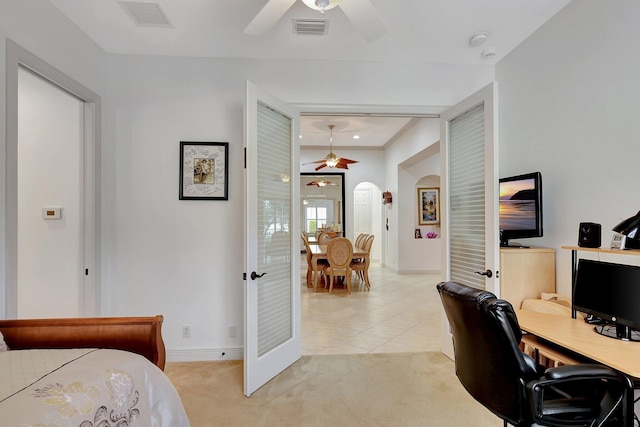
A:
232, 331
186, 331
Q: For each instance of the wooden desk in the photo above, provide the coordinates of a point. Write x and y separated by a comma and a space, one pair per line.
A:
579, 337
320, 252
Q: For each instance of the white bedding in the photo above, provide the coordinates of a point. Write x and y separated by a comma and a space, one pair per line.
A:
85, 388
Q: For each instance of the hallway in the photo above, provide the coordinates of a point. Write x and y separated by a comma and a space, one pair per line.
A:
401, 313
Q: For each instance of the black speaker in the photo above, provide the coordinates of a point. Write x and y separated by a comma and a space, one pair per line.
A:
589, 235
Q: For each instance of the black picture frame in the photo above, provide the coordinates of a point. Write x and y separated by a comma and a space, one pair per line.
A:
204, 170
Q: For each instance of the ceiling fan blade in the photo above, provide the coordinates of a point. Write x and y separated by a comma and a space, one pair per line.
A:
317, 161
321, 166
342, 166
365, 18
344, 160
268, 16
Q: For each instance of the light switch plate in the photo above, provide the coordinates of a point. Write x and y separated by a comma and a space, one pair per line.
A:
51, 212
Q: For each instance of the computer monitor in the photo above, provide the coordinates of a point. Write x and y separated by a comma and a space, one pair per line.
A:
610, 292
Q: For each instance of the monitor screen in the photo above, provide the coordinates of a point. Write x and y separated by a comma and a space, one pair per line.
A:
609, 291
520, 207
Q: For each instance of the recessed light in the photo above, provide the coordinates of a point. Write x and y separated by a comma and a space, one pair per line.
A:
477, 39
356, 136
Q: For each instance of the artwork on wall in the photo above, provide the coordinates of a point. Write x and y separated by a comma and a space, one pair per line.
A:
204, 170
428, 206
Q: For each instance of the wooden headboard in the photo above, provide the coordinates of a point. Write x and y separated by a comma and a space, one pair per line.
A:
141, 335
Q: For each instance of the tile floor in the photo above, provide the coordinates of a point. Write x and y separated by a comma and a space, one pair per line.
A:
401, 313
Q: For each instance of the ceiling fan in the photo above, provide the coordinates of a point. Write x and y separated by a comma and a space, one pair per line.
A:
332, 160
321, 183
361, 13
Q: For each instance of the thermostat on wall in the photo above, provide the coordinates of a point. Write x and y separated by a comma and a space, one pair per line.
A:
51, 212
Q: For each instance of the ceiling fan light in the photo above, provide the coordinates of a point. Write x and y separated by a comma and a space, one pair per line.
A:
332, 160
316, 4
322, 4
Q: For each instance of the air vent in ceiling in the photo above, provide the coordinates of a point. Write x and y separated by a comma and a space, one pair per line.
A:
146, 13
318, 27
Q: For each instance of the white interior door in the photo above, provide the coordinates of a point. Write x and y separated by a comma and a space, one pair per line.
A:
50, 252
272, 242
362, 208
58, 118
470, 186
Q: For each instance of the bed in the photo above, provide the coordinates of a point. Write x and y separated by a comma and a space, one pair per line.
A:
86, 372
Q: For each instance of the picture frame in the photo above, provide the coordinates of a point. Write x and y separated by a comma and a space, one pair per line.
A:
204, 170
428, 206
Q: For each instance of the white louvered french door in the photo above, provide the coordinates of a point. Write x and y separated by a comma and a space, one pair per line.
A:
272, 285
470, 193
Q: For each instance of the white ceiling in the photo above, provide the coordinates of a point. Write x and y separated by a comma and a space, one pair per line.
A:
372, 131
426, 31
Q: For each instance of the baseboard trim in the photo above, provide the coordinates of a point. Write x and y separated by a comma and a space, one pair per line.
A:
205, 354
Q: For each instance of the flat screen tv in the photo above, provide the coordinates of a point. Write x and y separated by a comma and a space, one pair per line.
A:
520, 207
610, 292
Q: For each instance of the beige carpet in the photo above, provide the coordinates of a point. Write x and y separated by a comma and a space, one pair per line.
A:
404, 389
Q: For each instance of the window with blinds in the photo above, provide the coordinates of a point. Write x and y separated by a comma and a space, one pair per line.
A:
275, 323
466, 197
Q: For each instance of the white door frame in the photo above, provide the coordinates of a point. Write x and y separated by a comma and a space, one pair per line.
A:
91, 291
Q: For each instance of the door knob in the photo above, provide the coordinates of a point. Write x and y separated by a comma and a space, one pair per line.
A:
487, 273
255, 275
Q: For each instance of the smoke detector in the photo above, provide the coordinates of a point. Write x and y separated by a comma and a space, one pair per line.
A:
477, 39
489, 53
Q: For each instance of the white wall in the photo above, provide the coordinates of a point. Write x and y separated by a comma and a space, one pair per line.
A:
416, 144
568, 104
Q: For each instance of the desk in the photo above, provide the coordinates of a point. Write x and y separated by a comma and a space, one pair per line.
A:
320, 252
579, 337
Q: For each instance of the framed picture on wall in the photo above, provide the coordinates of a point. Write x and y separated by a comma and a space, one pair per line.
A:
204, 170
428, 206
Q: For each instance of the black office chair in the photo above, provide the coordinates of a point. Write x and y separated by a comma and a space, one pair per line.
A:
493, 369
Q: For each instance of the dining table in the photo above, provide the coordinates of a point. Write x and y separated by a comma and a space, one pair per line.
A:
319, 252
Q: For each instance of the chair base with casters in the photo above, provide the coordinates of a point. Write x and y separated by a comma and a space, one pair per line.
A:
495, 372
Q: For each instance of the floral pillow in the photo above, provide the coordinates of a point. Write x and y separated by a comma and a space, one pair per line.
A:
3, 346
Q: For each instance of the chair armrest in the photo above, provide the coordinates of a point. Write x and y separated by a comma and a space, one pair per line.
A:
581, 372
586, 391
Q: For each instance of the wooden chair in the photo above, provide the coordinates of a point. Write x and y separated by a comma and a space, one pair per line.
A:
361, 237
325, 237
339, 255
309, 266
360, 266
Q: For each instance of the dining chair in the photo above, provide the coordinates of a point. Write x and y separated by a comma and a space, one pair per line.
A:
339, 255
360, 265
321, 262
360, 239
324, 238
